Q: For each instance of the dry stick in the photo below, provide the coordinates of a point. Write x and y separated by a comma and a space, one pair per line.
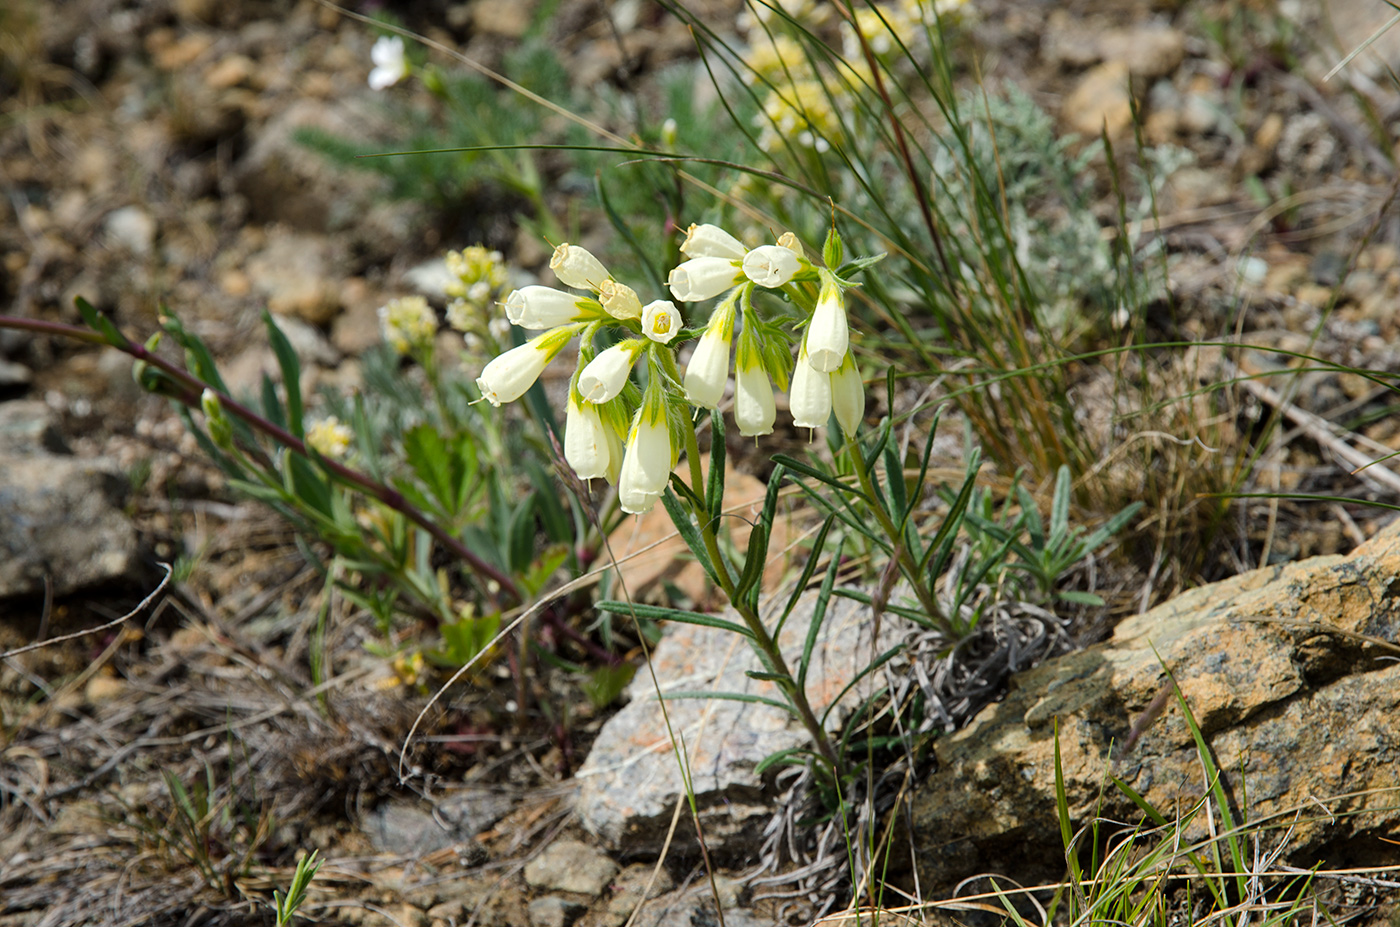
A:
363, 482
1324, 433
100, 628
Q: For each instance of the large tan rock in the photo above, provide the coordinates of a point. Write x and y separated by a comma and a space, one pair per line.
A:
1300, 709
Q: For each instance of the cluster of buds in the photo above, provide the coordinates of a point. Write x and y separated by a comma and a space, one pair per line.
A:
631, 435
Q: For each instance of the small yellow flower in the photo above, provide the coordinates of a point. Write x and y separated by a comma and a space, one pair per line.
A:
330, 437
408, 323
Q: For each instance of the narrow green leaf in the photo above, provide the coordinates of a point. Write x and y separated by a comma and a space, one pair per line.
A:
866, 670
753, 562
782, 678
520, 549
1076, 597
1059, 509
808, 569
942, 541
291, 373
798, 467
728, 697
271, 405
663, 613
100, 323
819, 614
794, 756
689, 533
714, 493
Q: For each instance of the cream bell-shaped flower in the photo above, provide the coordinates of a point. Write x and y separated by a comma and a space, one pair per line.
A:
390, 62
661, 321
578, 268
509, 375
809, 396
586, 445
540, 308
708, 370
646, 462
828, 336
848, 395
712, 241
771, 265
619, 300
605, 375
703, 278
754, 409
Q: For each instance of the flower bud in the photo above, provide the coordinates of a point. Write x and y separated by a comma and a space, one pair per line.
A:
661, 321
809, 396
703, 278
540, 308
771, 265
848, 395
390, 62
828, 338
605, 376
708, 370
712, 241
789, 241
578, 268
216, 419
619, 301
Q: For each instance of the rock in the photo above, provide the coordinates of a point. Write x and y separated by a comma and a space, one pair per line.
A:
295, 274
29, 427
1100, 99
406, 828
131, 228
553, 911
627, 892
1277, 669
571, 866
61, 519
630, 783
14, 378
1149, 51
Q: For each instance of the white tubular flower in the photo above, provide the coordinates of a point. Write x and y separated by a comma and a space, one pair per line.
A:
661, 321
390, 63
809, 396
330, 437
509, 375
646, 463
605, 376
771, 265
540, 308
708, 370
754, 409
848, 395
711, 241
586, 445
619, 301
789, 241
616, 452
703, 278
828, 336
578, 268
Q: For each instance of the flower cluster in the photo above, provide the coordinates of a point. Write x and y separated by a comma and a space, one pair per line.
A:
330, 437
631, 435
408, 324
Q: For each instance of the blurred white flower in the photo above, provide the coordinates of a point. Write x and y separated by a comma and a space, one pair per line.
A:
390, 63
703, 278
828, 336
330, 437
646, 462
771, 265
578, 268
661, 320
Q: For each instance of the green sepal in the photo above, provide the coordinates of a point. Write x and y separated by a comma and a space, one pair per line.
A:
100, 323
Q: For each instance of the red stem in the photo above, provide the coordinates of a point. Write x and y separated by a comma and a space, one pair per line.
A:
366, 484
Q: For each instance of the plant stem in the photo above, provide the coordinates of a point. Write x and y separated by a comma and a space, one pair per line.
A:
767, 647
906, 559
363, 482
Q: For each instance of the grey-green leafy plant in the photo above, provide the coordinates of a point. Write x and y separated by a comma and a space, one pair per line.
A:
287, 904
